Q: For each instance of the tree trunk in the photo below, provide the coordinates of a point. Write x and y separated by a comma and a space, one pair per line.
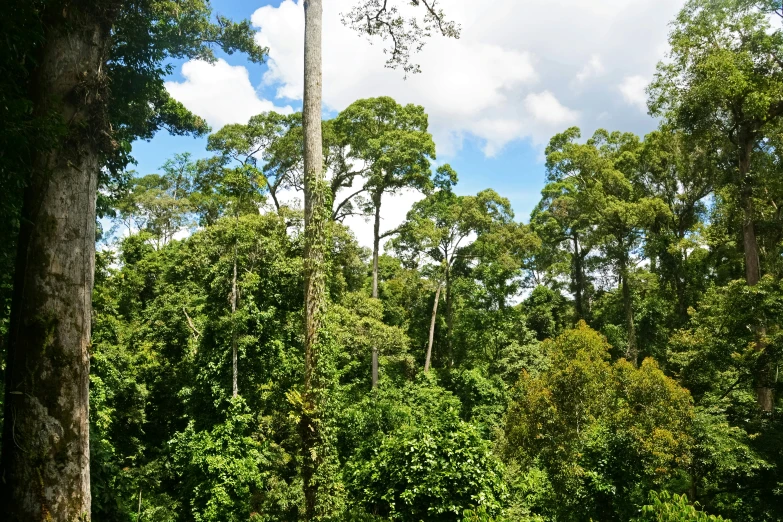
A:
449, 317
578, 281
376, 245
314, 252
631, 351
765, 391
432, 329
45, 466
234, 388
750, 245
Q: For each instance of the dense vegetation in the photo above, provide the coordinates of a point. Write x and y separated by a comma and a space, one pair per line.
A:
613, 357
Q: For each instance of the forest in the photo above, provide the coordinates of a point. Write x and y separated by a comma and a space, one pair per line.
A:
197, 345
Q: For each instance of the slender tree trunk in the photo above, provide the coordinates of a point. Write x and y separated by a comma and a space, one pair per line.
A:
234, 388
578, 281
449, 317
273, 193
45, 466
314, 253
432, 329
631, 351
376, 246
765, 391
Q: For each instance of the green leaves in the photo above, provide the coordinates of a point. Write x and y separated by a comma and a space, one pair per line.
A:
423, 462
391, 140
665, 507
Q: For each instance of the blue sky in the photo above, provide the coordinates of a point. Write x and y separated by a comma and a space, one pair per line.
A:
522, 70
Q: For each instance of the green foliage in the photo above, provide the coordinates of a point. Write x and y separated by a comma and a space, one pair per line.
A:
602, 432
665, 507
415, 459
392, 140
521, 417
218, 471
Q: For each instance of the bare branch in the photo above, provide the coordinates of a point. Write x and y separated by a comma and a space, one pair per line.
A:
196, 333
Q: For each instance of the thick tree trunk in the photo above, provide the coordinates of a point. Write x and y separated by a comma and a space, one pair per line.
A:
631, 351
432, 329
765, 391
234, 387
376, 245
314, 252
45, 466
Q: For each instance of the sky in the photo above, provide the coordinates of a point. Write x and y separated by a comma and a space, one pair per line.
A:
521, 71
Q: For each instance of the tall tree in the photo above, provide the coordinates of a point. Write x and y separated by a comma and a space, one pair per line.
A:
84, 48
315, 226
441, 229
393, 143
250, 144
724, 83
560, 218
606, 186
314, 250
682, 173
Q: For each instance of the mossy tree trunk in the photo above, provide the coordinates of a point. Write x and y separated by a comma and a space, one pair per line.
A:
46, 456
316, 215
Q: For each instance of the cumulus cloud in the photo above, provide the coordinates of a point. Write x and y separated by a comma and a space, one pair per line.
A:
521, 70
220, 93
518, 70
545, 108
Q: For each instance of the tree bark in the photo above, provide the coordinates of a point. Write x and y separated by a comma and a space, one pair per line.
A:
234, 387
631, 351
376, 246
765, 390
750, 245
314, 252
45, 466
432, 329
449, 315
578, 281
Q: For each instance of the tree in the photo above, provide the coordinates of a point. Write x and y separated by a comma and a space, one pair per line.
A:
441, 228
412, 458
603, 433
560, 219
682, 173
725, 79
393, 144
606, 187
250, 144
83, 48
314, 200
159, 204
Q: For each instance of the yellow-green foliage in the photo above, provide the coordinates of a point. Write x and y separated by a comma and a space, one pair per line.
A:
603, 432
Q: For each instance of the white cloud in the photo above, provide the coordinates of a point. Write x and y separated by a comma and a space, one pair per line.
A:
220, 93
546, 109
485, 84
593, 68
521, 70
633, 90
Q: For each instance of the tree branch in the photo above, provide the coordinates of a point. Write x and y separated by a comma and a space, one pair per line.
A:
196, 333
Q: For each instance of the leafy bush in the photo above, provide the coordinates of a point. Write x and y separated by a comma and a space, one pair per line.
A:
417, 460
665, 507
